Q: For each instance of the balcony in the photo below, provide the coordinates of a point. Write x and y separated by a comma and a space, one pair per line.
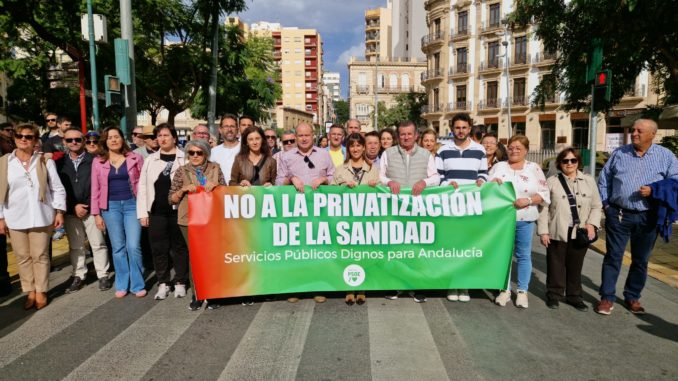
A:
490, 26
430, 3
494, 65
459, 70
362, 89
372, 37
396, 89
459, 106
312, 89
277, 41
277, 54
311, 42
431, 74
489, 104
519, 101
543, 58
434, 108
372, 25
312, 53
459, 34
433, 38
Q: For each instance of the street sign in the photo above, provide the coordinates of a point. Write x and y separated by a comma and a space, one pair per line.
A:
64, 84
100, 28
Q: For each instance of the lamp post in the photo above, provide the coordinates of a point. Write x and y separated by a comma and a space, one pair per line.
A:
376, 85
505, 44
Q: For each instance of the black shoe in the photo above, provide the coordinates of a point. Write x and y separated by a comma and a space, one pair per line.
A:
392, 295
552, 304
195, 305
75, 285
419, 298
213, 305
247, 301
105, 283
5, 288
580, 306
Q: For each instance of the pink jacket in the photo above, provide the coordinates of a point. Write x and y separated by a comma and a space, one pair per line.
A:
100, 173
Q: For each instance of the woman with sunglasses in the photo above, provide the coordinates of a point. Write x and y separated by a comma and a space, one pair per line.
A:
356, 170
115, 180
155, 212
557, 230
197, 174
92, 142
32, 203
254, 164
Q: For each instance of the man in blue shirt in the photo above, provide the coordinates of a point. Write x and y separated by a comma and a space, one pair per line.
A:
624, 190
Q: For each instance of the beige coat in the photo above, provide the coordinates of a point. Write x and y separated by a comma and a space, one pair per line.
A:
344, 174
557, 217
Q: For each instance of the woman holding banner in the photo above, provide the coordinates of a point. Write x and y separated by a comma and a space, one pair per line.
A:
557, 228
531, 191
254, 165
199, 173
356, 170
155, 213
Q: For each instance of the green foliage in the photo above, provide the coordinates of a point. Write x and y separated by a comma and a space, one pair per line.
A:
407, 107
670, 142
635, 36
341, 110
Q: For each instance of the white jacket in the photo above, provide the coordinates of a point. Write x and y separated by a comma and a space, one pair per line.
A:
153, 167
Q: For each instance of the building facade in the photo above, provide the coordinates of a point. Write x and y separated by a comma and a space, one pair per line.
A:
333, 82
288, 118
378, 33
477, 66
408, 19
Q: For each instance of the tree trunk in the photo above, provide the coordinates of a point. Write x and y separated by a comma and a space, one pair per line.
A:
170, 117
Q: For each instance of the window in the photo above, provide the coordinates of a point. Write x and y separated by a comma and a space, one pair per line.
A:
436, 28
519, 128
520, 50
362, 79
492, 53
393, 81
297, 50
519, 91
297, 62
462, 60
436, 99
461, 97
580, 134
492, 94
548, 134
495, 15
462, 22
405, 81
549, 87
436, 61
307, 62
381, 81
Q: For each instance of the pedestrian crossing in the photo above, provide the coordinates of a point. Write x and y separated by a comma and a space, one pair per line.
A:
92, 335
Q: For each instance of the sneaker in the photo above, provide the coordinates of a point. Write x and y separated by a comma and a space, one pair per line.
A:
140, 294
604, 307
76, 285
292, 299
503, 298
463, 296
163, 292
392, 295
247, 302
319, 299
634, 306
179, 290
213, 304
105, 283
195, 305
418, 298
552, 304
580, 306
453, 295
59, 234
521, 299
120, 294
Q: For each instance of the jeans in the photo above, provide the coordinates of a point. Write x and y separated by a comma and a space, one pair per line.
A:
641, 230
124, 230
523, 253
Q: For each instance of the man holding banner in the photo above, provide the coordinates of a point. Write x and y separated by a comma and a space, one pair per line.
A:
408, 165
305, 165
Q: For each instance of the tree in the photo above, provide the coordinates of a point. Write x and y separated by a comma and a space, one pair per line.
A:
407, 107
341, 110
636, 35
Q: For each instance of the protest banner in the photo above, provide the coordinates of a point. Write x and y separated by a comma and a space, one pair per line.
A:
270, 240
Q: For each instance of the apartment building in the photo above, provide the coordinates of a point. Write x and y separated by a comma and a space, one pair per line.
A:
378, 33
408, 19
333, 82
477, 66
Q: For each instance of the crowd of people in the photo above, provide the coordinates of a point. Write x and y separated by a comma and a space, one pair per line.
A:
131, 199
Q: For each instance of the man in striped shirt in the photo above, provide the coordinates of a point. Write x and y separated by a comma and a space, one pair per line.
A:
624, 190
461, 161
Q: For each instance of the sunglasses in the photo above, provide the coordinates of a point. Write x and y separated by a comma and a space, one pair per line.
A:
270, 137
51, 120
8, 129
71, 140
195, 153
286, 142
569, 161
309, 162
21, 137
92, 142
135, 134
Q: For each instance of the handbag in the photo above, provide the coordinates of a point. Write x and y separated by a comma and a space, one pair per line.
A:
581, 238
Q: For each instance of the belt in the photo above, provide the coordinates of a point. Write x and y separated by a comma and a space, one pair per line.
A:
627, 211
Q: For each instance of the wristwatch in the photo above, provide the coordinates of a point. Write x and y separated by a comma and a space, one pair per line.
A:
59, 211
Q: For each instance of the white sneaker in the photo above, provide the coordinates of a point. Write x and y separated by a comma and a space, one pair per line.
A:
463, 296
503, 298
521, 299
453, 295
179, 290
163, 292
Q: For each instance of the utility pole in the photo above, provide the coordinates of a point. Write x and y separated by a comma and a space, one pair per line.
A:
376, 86
127, 33
212, 111
93, 66
594, 65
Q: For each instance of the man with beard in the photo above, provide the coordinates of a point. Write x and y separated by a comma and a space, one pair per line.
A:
225, 154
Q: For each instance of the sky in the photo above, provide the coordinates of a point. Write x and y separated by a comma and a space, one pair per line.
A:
341, 24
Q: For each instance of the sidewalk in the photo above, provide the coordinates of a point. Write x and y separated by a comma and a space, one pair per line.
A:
663, 264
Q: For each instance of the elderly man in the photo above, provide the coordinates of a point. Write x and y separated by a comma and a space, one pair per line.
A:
288, 140
372, 147
74, 170
225, 154
353, 126
408, 165
625, 193
305, 165
150, 142
201, 132
336, 150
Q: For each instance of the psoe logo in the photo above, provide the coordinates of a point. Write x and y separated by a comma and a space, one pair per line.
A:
354, 275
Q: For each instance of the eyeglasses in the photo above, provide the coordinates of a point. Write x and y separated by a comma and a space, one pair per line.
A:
51, 120
135, 134
309, 162
71, 140
271, 137
195, 153
21, 136
569, 161
92, 142
8, 129
286, 142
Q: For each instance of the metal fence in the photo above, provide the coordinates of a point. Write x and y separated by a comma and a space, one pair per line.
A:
538, 156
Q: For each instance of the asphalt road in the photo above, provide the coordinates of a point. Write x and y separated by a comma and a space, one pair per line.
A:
91, 335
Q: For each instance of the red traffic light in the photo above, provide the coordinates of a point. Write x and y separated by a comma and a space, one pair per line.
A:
601, 78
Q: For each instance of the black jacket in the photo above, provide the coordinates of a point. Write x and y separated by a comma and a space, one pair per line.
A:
77, 183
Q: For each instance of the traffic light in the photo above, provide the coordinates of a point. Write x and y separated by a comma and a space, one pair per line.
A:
112, 89
602, 90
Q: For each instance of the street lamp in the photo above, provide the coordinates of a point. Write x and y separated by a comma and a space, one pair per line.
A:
376, 99
505, 44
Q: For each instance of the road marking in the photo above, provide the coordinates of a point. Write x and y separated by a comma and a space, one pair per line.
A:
401, 344
272, 346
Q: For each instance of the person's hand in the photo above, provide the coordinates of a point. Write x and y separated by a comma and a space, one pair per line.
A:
454, 184
243, 183
418, 187
268, 184
58, 220
143, 221
81, 210
351, 184
209, 186
521, 203
645, 191
394, 186
190, 188
298, 184
317, 182
480, 182
373, 183
591, 231
99, 221
496, 180
3, 227
545, 239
